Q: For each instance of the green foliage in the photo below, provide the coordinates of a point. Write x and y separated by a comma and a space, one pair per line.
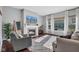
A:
72, 28
7, 30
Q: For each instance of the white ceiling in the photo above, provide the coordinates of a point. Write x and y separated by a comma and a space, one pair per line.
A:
44, 10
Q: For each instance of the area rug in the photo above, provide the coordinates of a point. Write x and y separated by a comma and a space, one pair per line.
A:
48, 44
39, 39
44, 44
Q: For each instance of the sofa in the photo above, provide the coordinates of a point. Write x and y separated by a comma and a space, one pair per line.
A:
67, 45
20, 43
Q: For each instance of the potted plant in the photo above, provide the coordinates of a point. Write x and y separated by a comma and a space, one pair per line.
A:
7, 30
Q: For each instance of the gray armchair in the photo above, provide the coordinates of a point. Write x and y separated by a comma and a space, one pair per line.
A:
20, 43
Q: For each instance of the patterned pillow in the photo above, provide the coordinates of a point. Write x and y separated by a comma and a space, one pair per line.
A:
20, 35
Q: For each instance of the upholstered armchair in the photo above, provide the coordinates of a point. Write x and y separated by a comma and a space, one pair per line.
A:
67, 45
20, 43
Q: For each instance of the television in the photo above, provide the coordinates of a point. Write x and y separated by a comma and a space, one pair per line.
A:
31, 19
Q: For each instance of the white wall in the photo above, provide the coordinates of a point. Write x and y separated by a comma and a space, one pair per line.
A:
0, 30
30, 13
10, 14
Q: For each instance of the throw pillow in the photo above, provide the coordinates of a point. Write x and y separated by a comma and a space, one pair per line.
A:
19, 34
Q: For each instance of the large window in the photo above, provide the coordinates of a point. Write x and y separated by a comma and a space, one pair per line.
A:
72, 20
49, 23
59, 23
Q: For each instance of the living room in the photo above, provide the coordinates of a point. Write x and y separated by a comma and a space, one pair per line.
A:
39, 29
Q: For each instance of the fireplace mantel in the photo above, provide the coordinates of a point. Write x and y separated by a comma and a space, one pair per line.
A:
27, 28
31, 27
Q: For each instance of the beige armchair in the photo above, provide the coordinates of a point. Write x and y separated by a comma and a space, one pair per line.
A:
66, 45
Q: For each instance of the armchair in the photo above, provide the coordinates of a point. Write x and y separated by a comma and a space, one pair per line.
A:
20, 43
66, 45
